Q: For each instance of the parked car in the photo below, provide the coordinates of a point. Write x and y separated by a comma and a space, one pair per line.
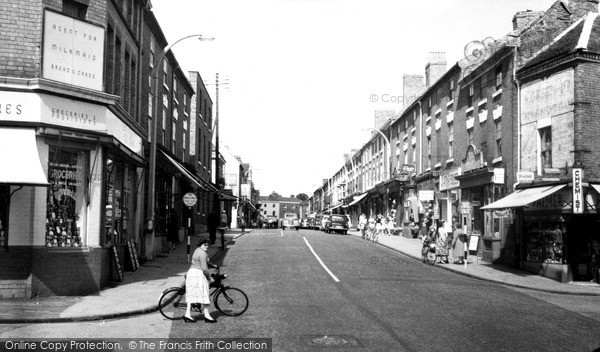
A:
337, 223
290, 220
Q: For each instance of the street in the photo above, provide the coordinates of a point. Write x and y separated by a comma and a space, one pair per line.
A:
382, 302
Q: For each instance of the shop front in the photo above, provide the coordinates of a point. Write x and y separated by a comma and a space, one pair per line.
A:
90, 161
555, 241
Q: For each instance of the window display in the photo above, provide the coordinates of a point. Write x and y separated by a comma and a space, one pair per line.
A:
545, 242
120, 198
66, 194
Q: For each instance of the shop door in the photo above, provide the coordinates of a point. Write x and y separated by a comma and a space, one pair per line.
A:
581, 232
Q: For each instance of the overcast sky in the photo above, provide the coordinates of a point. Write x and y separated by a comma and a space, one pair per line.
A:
299, 76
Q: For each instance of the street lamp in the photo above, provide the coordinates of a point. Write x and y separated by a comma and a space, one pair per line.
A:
150, 226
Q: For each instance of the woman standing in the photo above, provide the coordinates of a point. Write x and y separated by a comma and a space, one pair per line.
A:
196, 283
441, 246
458, 244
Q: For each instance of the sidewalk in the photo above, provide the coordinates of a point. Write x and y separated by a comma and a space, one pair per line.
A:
137, 294
489, 272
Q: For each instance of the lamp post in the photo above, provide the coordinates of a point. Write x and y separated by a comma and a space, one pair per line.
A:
150, 226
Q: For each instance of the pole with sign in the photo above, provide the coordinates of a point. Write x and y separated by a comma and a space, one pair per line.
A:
189, 199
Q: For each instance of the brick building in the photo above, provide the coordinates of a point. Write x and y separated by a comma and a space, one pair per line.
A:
503, 142
76, 93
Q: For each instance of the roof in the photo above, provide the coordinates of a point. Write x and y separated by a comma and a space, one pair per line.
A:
584, 34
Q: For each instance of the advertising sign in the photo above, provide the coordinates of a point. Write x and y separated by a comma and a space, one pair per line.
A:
578, 203
448, 180
73, 51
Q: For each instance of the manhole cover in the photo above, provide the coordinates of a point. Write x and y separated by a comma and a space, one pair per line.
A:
333, 341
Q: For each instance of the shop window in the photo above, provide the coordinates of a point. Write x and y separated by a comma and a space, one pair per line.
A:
545, 241
67, 193
4, 205
120, 198
546, 147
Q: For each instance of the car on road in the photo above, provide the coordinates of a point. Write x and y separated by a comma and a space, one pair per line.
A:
290, 220
336, 223
271, 221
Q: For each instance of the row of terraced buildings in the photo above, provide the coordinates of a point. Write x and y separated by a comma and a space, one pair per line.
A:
505, 141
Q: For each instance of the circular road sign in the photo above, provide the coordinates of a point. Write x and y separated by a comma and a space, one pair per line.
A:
189, 199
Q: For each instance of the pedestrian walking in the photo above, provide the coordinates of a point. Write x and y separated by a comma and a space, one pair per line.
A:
362, 223
459, 238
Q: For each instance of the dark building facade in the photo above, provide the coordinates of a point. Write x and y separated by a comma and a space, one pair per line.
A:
77, 102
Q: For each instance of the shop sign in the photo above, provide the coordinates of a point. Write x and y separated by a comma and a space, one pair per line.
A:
409, 169
556, 201
425, 195
448, 179
118, 129
498, 176
73, 51
72, 113
551, 174
465, 208
525, 176
578, 203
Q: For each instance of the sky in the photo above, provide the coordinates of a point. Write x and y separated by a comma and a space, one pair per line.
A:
300, 80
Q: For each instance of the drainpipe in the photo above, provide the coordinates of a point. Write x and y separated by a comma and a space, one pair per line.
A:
518, 84
420, 137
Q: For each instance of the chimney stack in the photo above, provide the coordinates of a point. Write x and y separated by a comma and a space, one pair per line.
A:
412, 87
523, 19
435, 68
382, 116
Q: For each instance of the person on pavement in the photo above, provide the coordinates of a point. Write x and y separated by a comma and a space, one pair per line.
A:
442, 242
362, 224
459, 239
212, 224
197, 283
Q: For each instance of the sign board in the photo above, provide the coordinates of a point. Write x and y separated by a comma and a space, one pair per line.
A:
498, 176
473, 242
190, 199
135, 264
448, 179
425, 195
525, 176
117, 263
73, 51
578, 203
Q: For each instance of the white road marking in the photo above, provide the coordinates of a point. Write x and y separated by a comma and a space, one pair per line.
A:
281, 233
320, 261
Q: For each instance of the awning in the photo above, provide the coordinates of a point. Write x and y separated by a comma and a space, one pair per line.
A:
195, 180
357, 199
596, 187
336, 206
19, 159
522, 197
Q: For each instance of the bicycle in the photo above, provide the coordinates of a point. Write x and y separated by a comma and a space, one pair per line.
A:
230, 301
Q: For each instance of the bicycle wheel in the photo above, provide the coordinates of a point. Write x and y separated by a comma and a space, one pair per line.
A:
172, 304
231, 301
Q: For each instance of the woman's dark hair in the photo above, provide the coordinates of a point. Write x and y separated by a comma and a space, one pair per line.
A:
203, 242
